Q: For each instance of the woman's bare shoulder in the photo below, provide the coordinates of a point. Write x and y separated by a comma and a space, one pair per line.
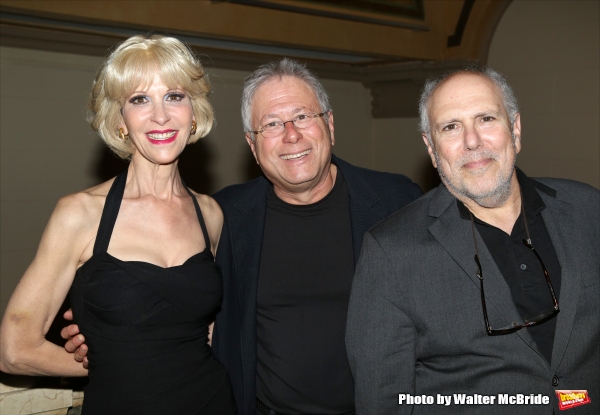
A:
84, 204
210, 208
76, 218
213, 217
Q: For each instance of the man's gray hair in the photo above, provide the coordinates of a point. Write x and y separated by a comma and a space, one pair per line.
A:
508, 97
284, 67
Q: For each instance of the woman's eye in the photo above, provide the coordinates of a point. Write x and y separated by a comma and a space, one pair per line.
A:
301, 117
175, 97
137, 100
271, 124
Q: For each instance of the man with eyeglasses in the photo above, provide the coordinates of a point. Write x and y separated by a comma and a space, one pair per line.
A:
423, 335
288, 250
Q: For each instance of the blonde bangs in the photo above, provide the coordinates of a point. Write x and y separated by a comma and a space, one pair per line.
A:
131, 70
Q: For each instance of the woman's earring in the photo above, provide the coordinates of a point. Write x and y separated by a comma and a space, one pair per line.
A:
122, 135
194, 126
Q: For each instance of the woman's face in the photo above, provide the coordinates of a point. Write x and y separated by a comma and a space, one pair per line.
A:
158, 120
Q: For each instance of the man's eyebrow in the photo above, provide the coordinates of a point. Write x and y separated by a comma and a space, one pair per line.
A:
450, 121
269, 116
295, 110
495, 113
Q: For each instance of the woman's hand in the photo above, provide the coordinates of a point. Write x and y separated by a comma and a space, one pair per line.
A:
75, 341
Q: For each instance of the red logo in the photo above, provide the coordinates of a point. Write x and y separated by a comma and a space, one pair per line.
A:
572, 398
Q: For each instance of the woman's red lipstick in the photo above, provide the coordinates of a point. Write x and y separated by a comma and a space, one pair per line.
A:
160, 137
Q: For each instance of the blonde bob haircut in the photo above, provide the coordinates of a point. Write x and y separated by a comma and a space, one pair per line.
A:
135, 62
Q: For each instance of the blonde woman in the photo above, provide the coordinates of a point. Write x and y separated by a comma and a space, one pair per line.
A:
137, 250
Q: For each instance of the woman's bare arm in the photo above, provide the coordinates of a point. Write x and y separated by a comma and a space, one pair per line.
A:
42, 290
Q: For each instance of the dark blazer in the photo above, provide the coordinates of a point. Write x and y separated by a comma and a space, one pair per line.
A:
373, 197
415, 321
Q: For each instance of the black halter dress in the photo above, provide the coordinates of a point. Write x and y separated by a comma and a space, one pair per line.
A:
146, 329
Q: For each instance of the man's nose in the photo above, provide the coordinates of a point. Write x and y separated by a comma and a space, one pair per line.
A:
291, 133
472, 138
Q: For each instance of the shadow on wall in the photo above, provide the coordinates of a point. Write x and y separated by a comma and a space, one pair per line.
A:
251, 169
194, 167
106, 165
427, 176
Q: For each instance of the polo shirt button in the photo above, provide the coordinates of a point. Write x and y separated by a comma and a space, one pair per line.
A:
523, 267
554, 380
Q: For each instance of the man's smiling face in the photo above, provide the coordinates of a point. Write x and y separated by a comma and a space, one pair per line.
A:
473, 143
297, 160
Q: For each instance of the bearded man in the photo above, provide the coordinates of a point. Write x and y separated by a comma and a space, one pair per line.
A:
485, 291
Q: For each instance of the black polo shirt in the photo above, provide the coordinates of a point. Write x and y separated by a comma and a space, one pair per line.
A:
519, 265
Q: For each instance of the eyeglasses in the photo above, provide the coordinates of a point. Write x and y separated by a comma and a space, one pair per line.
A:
543, 317
300, 121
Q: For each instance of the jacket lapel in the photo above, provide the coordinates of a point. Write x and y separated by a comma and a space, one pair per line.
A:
455, 235
558, 222
363, 214
248, 226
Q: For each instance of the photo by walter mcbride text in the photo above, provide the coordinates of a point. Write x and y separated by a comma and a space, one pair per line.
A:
475, 399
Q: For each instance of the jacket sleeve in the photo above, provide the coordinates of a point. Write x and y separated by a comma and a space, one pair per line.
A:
380, 337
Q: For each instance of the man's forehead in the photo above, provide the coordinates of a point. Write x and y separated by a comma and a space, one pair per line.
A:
465, 83
462, 87
285, 86
283, 97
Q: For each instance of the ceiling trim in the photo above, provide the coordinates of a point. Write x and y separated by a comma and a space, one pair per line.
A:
202, 42
298, 7
456, 38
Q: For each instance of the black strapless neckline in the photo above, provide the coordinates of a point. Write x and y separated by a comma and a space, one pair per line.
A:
206, 252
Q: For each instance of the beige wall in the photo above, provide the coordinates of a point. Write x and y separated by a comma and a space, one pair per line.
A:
550, 52
46, 148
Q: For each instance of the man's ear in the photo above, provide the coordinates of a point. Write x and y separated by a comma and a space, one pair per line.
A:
516, 127
252, 146
331, 129
430, 149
